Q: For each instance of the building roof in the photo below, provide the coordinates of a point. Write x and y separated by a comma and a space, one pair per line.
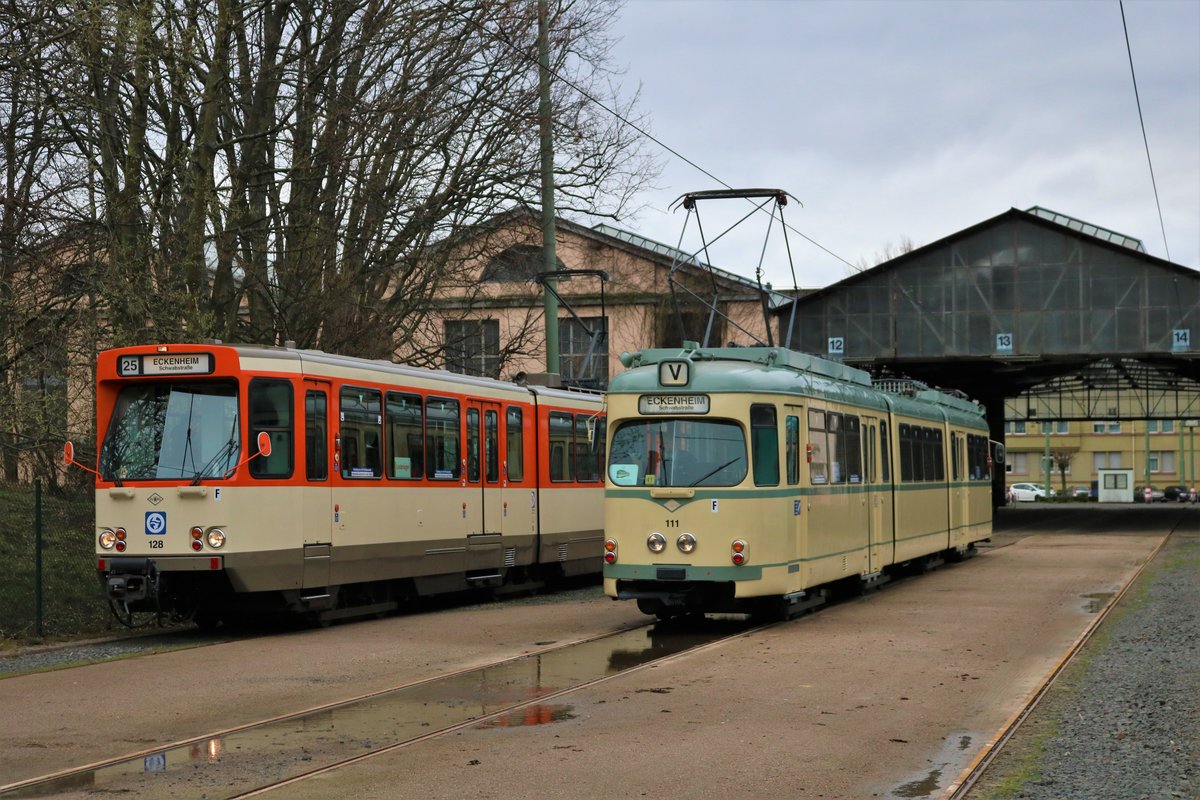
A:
1088, 228
677, 256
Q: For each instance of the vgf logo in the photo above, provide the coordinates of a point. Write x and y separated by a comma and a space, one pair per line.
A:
156, 523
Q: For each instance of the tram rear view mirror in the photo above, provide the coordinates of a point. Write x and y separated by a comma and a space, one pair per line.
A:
264, 444
999, 453
69, 453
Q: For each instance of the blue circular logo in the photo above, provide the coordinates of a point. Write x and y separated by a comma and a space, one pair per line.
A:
156, 523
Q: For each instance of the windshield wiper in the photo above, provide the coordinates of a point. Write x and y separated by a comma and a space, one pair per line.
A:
224, 452
708, 475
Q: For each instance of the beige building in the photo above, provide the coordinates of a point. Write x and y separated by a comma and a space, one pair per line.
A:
1160, 452
618, 299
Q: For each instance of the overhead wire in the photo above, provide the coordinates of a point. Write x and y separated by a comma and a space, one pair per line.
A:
1145, 139
449, 5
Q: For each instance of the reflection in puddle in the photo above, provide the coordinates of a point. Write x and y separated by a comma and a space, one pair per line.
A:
247, 759
536, 714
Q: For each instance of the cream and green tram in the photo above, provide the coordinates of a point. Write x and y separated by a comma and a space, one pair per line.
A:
751, 479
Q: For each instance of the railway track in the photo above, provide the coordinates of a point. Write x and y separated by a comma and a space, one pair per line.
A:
251, 759
961, 788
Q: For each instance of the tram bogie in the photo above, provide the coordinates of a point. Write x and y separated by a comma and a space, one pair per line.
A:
747, 479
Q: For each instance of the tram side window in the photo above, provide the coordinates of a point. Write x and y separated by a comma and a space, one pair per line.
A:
764, 441
441, 439
362, 422
405, 448
977, 458
852, 437
516, 444
791, 428
561, 441
907, 474
316, 465
818, 466
271, 411
837, 448
939, 456
928, 454
587, 470
885, 453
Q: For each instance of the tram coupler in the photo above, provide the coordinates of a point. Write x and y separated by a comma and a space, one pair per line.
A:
129, 580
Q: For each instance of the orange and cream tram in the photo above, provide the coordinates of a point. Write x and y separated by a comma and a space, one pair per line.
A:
752, 479
239, 479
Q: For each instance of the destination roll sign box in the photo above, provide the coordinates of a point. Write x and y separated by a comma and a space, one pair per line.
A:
673, 404
165, 364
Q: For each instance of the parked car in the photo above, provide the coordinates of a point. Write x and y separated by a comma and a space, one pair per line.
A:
1177, 494
1081, 492
1028, 492
1156, 495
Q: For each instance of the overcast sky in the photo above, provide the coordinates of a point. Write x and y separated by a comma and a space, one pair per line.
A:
893, 120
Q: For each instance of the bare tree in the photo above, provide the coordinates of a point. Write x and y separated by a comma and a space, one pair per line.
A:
279, 169
47, 261
888, 252
1062, 462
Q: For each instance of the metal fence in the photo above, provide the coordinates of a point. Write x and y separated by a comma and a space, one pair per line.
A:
48, 550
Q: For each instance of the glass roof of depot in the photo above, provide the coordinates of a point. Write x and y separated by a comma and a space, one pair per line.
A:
1089, 229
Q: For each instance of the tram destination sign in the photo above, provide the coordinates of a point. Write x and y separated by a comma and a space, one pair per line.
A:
673, 404
165, 364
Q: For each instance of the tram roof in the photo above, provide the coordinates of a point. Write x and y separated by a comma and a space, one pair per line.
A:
779, 370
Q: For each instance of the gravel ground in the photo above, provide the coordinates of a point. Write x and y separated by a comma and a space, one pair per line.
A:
1123, 720
56, 656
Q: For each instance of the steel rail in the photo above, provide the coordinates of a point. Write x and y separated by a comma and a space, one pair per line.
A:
967, 779
18, 786
484, 719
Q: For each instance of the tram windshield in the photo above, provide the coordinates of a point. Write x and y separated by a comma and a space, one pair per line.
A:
172, 431
678, 452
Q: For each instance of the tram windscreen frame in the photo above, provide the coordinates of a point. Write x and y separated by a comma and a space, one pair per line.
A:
680, 452
172, 431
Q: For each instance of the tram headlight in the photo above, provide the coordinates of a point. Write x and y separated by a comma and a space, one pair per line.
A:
610, 551
656, 542
686, 543
107, 539
215, 538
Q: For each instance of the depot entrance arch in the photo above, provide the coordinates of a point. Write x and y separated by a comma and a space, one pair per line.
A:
1056, 317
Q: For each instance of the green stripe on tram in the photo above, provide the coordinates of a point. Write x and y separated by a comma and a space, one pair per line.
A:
711, 493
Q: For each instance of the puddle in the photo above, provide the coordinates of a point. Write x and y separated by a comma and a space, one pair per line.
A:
1095, 602
955, 754
245, 760
922, 788
529, 716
